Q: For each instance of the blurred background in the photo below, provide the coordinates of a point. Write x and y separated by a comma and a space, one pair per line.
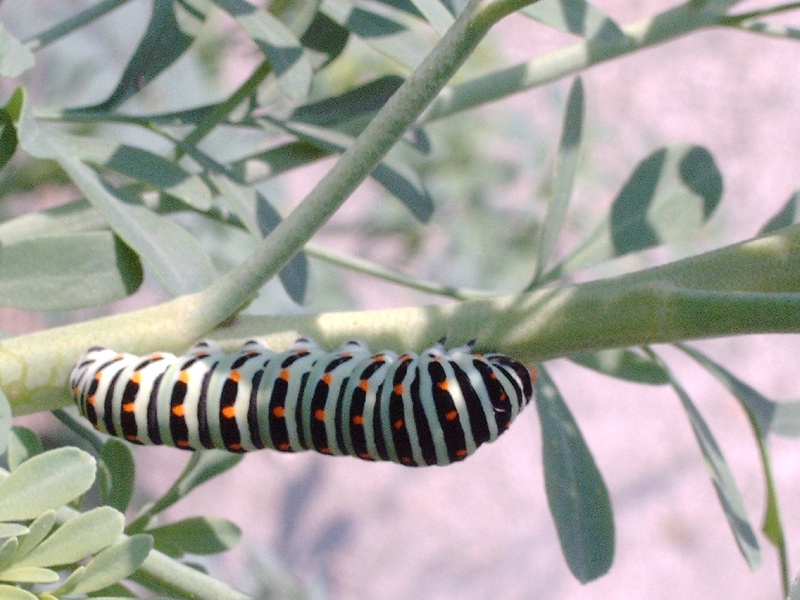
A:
339, 528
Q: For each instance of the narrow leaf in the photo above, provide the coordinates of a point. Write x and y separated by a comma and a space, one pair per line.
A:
788, 215
575, 16
65, 272
436, 14
22, 445
671, 193
139, 164
116, 474
198, 535
110, 566
325, 39
8, 530
9, 592
78, 538
279, 45
15, 58
390, 36
721, 476
623, 364
393, 175
170, 32
38, 530
576, 493
45, 482
29, 575
5, 422
174, 254
566, 168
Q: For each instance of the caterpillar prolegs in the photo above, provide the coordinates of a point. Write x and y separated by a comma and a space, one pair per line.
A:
434, 408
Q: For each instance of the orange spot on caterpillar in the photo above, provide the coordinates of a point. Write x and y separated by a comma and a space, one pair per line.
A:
235, 376
461, 453
183, 377
279, 412
90, 400
398, 424
133, 439
319, 414
228, 412
406, 460
364, 385
452, 415
136, 377
179, 410
324, 450
443, 385
128, 407
235, 446
365, 456
182, 443
358, 420
534, 373
284, 375
398, 389
326, 379
285, 447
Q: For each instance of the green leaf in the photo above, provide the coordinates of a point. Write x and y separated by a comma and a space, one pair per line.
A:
22, 445
78, 538
721, 476
279, 45
393, 175
5, 422
576, 493
38, 530
274, 161
174, 254
29, 575
8, 592
15, 58
170, 32
436, 14
65, 272
623, 364
176, 257
788, 215
45, 482
8, 551
385, 33
576, 16
201, 467
325, 39
8, 117
671, 193
357, 103
116, 474
198, 535
140, 164
768, 415
260, 218
8, 530
794, 592
110, 566
73, 217
566, 168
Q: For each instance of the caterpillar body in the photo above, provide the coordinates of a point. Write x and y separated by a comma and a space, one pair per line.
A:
435, 408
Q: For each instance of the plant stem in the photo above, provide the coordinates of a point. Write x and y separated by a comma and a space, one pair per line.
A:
500, 84
75, 22
229, 294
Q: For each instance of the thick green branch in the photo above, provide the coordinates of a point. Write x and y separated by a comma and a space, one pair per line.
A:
752, 287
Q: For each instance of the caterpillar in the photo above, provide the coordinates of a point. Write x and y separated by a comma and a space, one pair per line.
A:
435, 408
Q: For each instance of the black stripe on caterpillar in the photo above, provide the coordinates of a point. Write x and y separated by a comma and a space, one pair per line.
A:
435, 408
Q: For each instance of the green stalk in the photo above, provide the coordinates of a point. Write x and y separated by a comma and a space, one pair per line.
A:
671, 24
229, 294
746, 288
